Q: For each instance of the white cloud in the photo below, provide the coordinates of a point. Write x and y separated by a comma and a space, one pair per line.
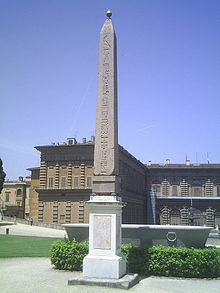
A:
146, 128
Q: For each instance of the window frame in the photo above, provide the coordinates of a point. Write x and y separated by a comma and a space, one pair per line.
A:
74, 185
51, 178
63, 182
89, 178
7, 196
19, 192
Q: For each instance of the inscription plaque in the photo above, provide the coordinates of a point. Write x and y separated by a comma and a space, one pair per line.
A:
102, 232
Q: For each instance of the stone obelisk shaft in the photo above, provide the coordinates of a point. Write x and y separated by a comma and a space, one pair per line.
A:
106, 133
105, 259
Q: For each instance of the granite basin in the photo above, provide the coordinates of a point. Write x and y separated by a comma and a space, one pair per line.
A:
178, 236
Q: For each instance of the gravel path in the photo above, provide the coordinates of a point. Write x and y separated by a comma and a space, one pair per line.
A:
24, 275
28, 230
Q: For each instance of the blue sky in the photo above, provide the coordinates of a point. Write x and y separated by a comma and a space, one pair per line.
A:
168, 77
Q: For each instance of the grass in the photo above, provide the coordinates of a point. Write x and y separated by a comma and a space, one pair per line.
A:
218, 250
28, 246
25, 246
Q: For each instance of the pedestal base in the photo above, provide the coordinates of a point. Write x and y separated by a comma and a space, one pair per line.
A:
125, 282
97, 266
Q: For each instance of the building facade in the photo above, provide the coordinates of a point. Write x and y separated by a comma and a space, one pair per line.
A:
170, 194
15, 197
63, 184
184, 194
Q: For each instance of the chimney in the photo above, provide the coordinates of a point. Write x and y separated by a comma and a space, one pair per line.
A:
187, 162
167, 161
71, 140
149, 163
84, 139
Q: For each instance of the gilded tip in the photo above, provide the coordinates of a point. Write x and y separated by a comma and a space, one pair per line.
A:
108, 13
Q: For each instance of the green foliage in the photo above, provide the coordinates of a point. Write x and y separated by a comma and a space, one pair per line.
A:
2, 176
68, 255
183, 262
137, 258
156, 260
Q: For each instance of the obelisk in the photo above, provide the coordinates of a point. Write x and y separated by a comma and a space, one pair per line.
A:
106, 178
105, 259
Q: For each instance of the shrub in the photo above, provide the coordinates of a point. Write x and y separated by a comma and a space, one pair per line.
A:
156, 260
68, 255
183, 262
136, 257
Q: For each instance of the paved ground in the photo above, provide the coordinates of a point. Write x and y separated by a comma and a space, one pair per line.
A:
24, 275
28, 230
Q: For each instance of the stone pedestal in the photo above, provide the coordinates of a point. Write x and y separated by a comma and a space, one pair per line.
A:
105, 259
106, 184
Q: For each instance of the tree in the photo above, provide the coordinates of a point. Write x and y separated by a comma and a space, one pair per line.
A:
2, 176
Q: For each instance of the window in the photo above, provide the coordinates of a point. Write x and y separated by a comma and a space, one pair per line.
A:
76, 181
62, 218
89, 181
63, 182
175, 219
89, 164
7, 196
50, 182
174, 190
19, 192
218, 190
197, 191
76, 164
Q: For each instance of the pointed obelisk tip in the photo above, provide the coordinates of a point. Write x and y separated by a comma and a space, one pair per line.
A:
109, 13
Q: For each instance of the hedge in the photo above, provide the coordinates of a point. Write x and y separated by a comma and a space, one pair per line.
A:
67, 255
173, 262
156, 260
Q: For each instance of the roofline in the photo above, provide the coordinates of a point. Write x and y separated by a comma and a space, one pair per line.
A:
33, 169
41, 147
189, 197
183, 166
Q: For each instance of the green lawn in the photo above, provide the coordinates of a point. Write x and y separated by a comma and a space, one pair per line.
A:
218, 250
28, 246
25, 246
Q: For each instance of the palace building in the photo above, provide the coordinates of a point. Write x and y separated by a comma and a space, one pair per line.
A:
63, 184
184, 194
173, 194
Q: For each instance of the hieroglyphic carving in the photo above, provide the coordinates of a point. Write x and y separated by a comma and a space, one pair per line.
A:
106, 141
105, 104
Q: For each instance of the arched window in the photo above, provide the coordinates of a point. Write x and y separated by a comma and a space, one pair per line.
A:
19, 192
